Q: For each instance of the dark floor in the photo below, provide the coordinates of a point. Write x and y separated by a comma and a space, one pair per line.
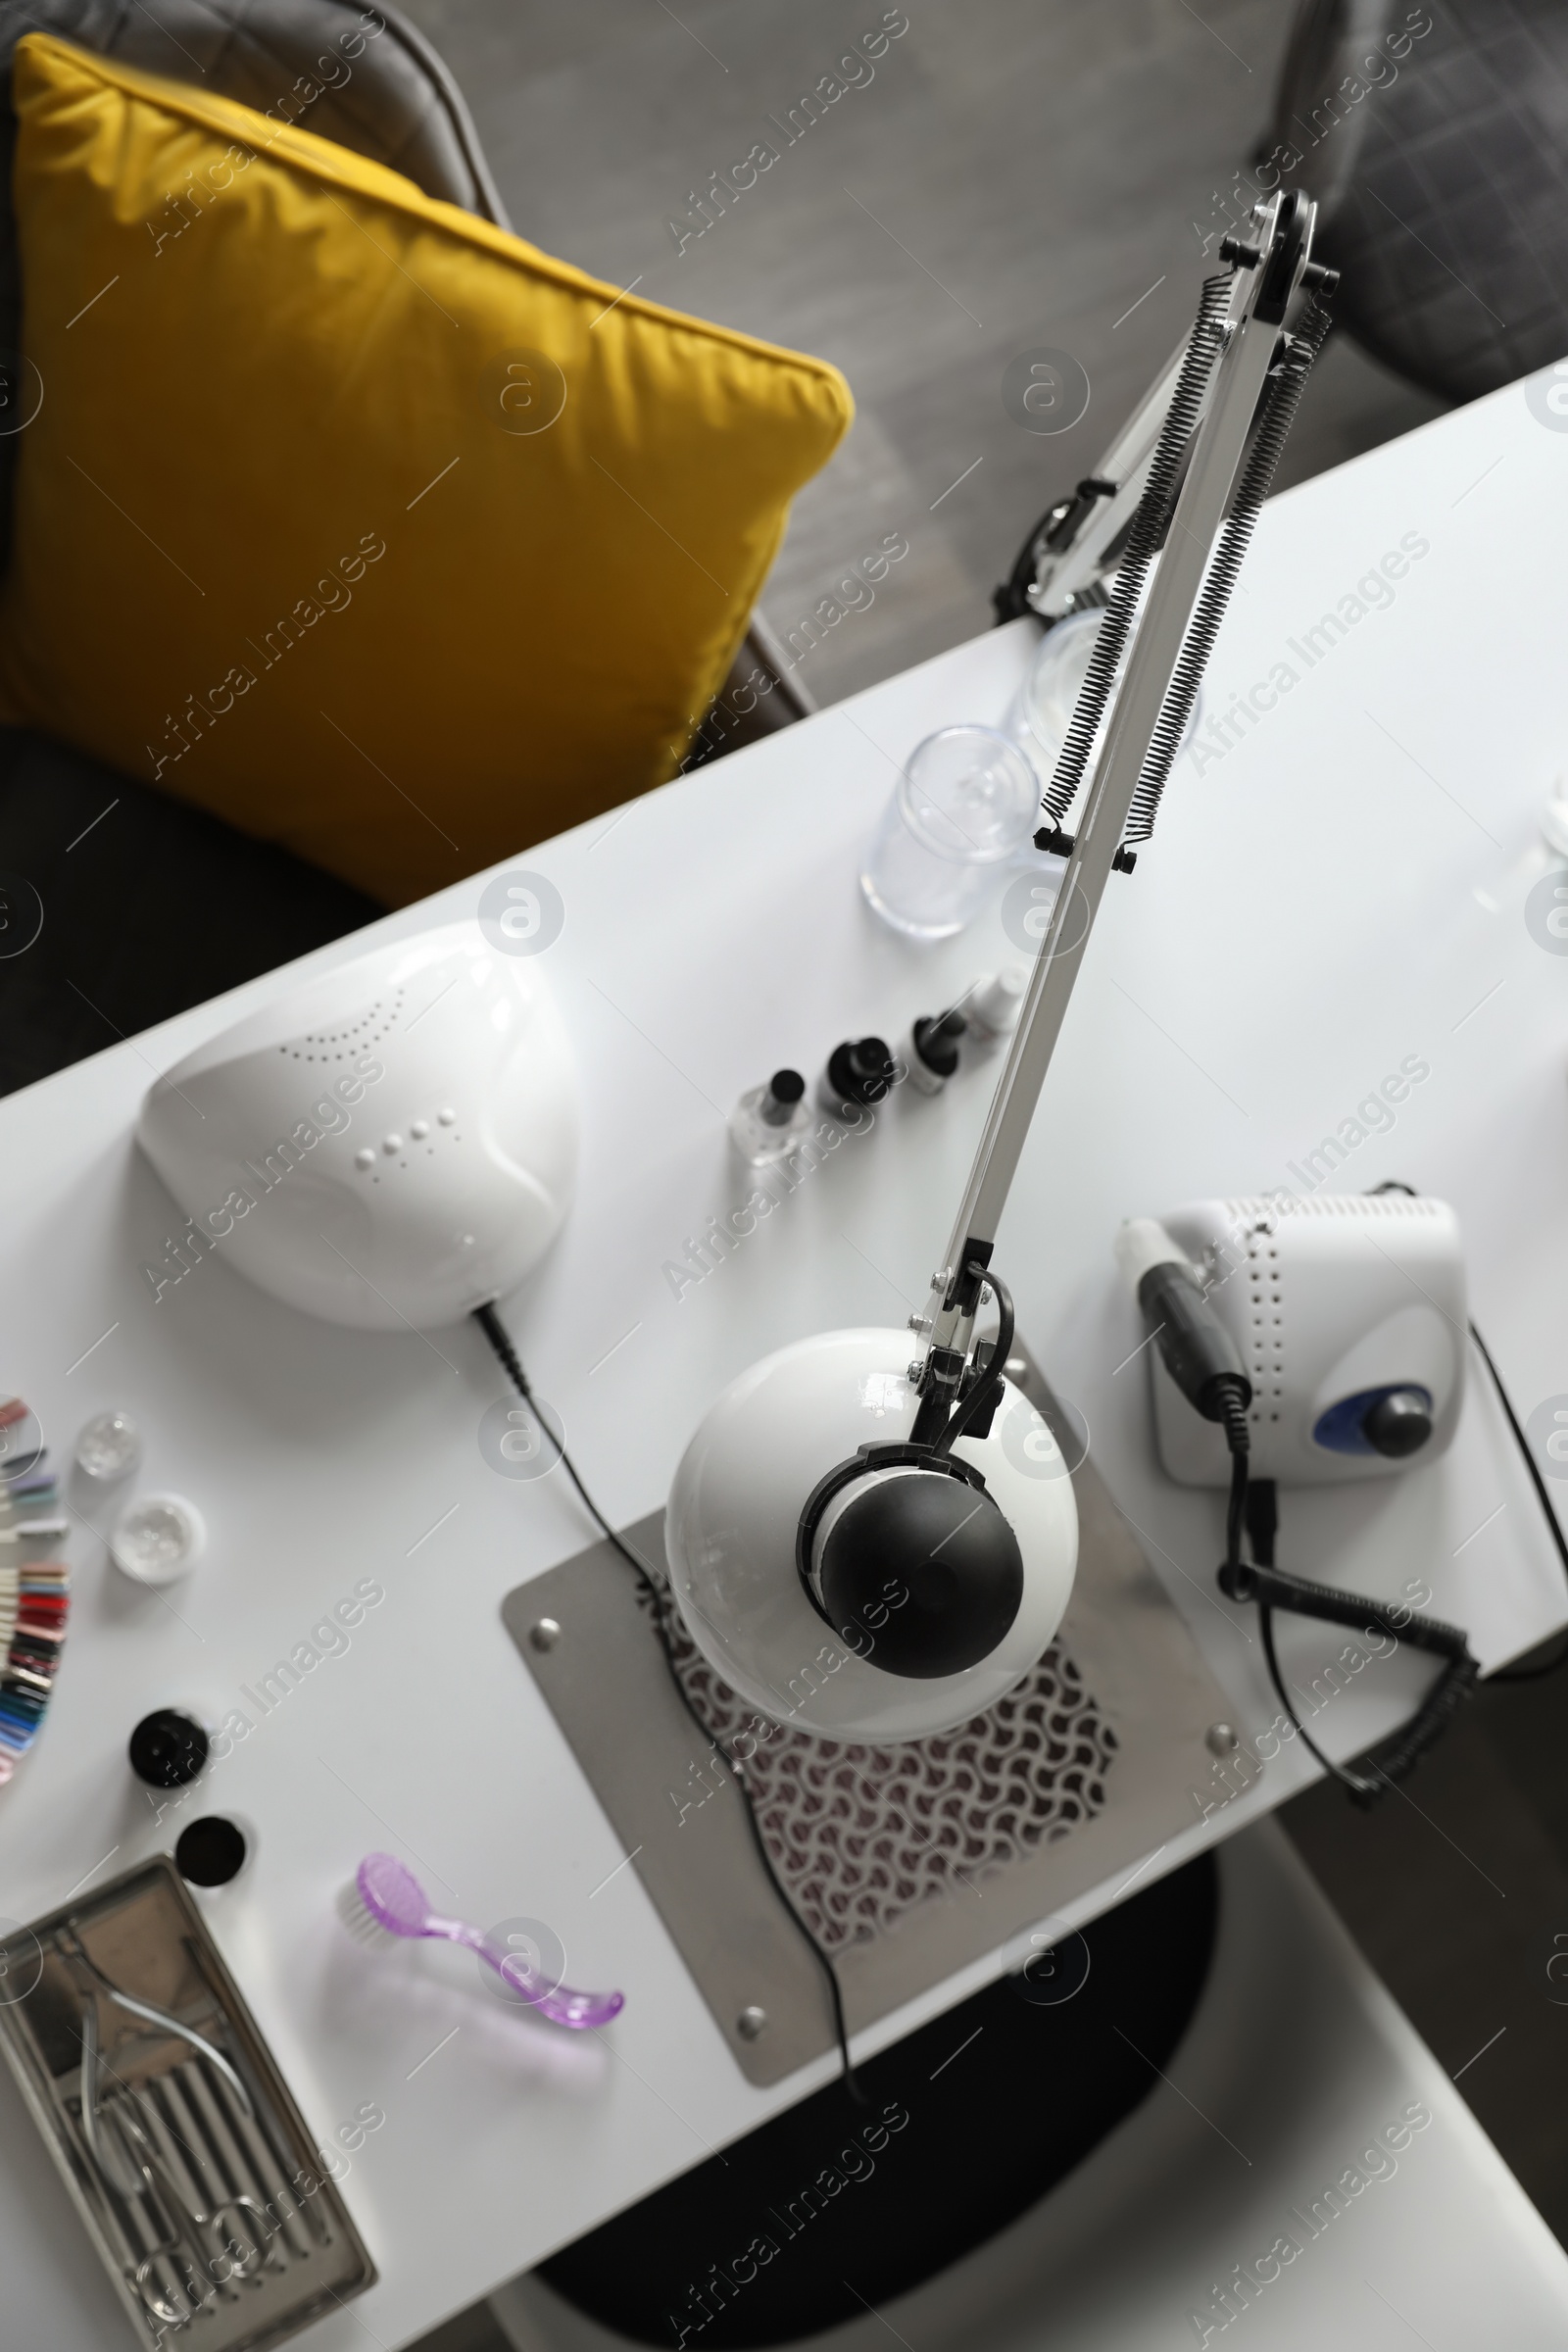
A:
1456, 1890
1016, 175
471, 2331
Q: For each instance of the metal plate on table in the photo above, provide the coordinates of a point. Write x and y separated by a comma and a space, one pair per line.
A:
208, 2209
908, 1860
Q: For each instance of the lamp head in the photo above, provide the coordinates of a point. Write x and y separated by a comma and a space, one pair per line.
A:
959, 1557
847, 1583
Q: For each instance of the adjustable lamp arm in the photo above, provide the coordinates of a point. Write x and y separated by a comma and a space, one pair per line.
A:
1223, 407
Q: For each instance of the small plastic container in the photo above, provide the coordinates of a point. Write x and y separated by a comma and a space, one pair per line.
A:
109, 1447
213, 1851
966, 802
158, 1539
169, 1748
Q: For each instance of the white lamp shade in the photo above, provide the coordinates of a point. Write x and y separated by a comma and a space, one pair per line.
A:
736, 1504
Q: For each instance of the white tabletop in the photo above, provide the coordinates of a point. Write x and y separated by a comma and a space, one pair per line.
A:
1339, 891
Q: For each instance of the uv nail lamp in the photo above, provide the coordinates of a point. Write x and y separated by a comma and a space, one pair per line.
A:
391, 1146
1348, 1314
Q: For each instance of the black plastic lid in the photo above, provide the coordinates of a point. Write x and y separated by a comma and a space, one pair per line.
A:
947, 1550
168, 1750
211, 1851
936, 1041
861, 1070
781, 1095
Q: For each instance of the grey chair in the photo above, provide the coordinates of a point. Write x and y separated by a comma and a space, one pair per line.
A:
1442, 187
150, 906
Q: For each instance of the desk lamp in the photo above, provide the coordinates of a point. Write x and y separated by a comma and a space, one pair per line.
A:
872, 1547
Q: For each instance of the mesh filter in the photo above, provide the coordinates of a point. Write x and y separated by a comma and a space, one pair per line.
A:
861, 1835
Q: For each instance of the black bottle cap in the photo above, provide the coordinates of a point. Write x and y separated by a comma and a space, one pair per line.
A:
168, 1750
781, 1095
211, 1851
861, 1070
1398, 1424
930, 1567
936, 1041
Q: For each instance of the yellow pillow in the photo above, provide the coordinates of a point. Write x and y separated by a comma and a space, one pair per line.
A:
359, 522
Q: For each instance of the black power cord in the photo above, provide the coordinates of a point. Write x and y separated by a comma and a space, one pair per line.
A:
1392, 1758
1511, 1674
979, 1402
1253, 1503
657, 1594
1526, 1674
1252, 1511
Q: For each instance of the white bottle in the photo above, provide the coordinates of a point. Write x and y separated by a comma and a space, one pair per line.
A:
993, 1004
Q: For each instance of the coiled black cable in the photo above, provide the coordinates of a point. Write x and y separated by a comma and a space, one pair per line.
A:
986, 1394
1254, 1510
656, 1590
1233, 1400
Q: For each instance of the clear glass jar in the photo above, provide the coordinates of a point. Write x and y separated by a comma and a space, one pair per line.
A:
965, 804
1043, 713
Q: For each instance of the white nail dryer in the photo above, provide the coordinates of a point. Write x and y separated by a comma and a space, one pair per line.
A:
390, 1146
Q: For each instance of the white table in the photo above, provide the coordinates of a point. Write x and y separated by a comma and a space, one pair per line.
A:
1342, 890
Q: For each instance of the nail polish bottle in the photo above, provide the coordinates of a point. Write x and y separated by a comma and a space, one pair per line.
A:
860, 1072
768, 1121
932, 1050
992, 1006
